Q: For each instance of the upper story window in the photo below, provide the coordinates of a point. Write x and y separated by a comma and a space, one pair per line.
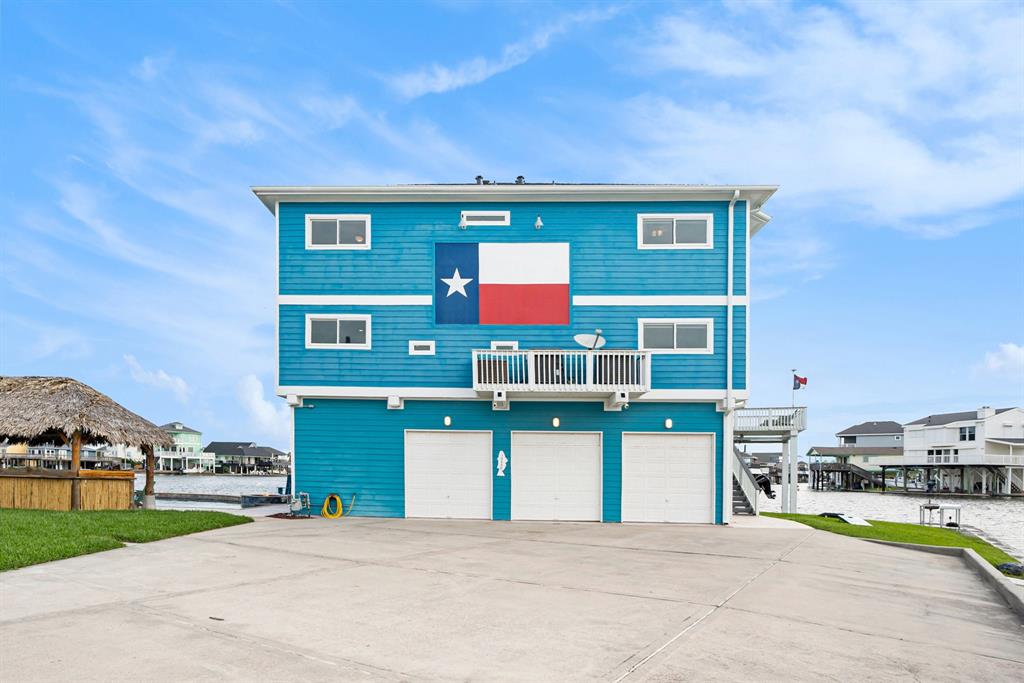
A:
675, 230
327, 331
677, 335
338, 231
471, 218
967, 433
849, 440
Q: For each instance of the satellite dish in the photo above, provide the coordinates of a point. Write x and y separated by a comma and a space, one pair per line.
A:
590, 341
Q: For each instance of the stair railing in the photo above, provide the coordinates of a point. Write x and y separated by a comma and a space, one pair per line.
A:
743, 476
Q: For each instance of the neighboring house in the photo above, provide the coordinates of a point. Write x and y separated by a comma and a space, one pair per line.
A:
981, 450
863, 450
437, 344
884, 433
245, 457
52, 456
186, 455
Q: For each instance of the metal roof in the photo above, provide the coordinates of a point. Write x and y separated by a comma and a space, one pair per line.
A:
866, 428
178, 427
846, 451
946, 418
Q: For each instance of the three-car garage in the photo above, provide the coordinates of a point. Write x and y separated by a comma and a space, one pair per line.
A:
560, 476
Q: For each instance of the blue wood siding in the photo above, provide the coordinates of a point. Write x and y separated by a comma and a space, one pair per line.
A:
739, 249
604, 258
739, 347
357, 447
388, 362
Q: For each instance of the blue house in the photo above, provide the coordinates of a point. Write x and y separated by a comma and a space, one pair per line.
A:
516, 351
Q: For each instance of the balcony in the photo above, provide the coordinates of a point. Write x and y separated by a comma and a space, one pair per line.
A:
754, 422
562, 371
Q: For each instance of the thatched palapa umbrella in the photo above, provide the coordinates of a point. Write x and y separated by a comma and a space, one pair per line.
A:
41, 410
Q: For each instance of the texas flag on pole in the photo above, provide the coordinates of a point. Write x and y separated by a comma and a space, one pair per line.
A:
501, 283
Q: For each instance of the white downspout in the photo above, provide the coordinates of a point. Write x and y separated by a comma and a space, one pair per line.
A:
727, 419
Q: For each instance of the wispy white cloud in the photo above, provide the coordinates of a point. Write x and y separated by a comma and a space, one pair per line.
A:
151, 66
1007, 361
158, 378
271, 417
438, 78
844, 108
786, 258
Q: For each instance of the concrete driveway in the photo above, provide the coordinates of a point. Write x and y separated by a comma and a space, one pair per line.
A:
371, 599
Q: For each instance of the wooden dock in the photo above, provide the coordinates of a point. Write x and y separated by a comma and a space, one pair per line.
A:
247, 500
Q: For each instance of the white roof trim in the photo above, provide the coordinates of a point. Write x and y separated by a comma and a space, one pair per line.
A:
756, 194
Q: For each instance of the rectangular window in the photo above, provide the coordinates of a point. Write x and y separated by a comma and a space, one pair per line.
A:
504, 346
675, 231
676, 335
477, 218
967, 433
421, 348
338, 231
326, 331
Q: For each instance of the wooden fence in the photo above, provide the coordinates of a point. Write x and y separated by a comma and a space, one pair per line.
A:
37, 489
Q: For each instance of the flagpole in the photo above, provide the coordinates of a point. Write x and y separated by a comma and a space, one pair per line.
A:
792, 392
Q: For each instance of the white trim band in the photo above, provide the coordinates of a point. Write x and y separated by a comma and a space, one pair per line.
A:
466, 393
655, 300
355, 299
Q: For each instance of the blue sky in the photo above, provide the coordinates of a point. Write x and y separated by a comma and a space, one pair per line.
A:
135, 258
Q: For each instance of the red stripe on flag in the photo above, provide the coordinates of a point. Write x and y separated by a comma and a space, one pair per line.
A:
524, 304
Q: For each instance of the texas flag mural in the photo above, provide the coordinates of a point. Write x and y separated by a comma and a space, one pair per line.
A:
500, 283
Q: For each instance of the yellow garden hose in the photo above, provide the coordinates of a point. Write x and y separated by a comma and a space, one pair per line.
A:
334, 501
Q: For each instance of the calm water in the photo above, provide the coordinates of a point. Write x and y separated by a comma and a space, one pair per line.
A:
1002, 518
224, 484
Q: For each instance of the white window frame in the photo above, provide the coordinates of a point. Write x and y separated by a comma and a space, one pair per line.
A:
506, 219
310, 317
310, 217
708, 243
413, 343
504, 345
708, 322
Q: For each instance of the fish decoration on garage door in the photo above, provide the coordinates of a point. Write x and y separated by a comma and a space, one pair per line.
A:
498, 283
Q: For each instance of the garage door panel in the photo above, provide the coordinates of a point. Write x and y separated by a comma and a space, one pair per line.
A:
667, 478
448, 475
556, 476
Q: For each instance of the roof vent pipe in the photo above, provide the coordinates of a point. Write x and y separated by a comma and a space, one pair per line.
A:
479, 180
520, 180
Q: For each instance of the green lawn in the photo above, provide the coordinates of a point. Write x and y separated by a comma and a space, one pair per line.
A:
902, 533
34, 536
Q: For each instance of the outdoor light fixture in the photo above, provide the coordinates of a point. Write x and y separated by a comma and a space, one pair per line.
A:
538, 223
668, 423
462, 221
555, 422
447, 420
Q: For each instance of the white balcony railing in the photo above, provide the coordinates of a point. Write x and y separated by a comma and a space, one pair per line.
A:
560, 371
768, 420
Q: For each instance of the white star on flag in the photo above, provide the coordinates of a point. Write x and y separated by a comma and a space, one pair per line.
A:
457, 283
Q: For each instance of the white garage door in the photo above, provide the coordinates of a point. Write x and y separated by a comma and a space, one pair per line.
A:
448, 474
668, 478
556, 476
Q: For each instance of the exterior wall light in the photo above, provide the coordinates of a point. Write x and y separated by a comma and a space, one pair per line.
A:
668, 423
538, 223
462, 222
447, 420
555, 422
